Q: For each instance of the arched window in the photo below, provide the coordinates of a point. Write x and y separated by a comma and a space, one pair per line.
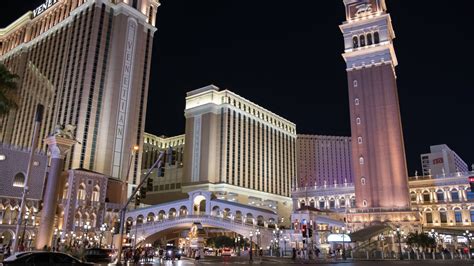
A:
413, 197
369, 39
355, 83
440, 195
19, 180
364, 203
429, 217
443, 217
342, 202
362, 40
321, 204
359, 140
361, 160
355, 42
81, 192
426, 196
362, 181
332, 203
458, 216
376, 37
454, 195
356, 101
358, 121
95, 194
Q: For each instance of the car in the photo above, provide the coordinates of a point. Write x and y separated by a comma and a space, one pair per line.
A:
226, 252
172, 253
99, 255
42, 258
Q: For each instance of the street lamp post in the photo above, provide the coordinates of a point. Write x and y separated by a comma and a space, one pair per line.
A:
399, 243
258, 241
22, 243
103, 228
86, 233
343, 244
251, 245
468, 236
157, 164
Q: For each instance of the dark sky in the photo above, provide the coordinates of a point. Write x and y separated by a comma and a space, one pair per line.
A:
286, 56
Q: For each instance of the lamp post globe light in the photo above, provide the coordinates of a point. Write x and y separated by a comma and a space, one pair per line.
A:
86, 233
103, 228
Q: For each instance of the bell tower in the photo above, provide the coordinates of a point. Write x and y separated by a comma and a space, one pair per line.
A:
380, 171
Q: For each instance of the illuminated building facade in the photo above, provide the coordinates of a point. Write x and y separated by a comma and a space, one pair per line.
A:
88, 63
324, 160
239, 150
442, 160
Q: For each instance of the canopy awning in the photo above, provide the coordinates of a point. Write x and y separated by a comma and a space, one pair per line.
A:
369, 232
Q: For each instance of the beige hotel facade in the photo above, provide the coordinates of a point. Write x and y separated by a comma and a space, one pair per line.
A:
88, 63
239, 150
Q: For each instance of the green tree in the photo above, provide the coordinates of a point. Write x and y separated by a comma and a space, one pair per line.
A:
8, 88
220, 242
420, 240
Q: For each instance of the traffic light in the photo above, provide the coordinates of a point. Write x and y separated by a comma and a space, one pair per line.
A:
471, 182
138, 199
143, 192
303, 230
149, 184
116, 227
161, 171
310, 232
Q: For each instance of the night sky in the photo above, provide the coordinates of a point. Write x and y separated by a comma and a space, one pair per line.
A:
286, 57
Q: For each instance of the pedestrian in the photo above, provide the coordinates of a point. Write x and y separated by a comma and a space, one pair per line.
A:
7, 252
197, 255
294, 254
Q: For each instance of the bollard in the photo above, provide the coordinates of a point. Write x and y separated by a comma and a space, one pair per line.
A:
408, 255
424, 255
367, 254
442, 255
433, 255
452, 255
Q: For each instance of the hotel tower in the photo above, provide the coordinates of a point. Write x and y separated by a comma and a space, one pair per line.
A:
88, 63
380, 171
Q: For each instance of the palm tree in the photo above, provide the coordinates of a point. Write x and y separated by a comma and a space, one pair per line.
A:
8, 87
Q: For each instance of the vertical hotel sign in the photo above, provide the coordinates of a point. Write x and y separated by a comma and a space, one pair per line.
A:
124, 98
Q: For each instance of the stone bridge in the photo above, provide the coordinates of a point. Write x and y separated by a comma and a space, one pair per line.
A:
148, 230
203, 208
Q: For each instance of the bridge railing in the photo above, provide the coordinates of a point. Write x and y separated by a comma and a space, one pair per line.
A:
197, 217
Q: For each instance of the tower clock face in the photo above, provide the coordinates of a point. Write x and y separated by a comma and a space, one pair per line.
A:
362, 8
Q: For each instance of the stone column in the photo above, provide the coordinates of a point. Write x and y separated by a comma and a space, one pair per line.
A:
58, 147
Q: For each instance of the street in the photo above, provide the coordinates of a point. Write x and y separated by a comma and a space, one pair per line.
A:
275, 261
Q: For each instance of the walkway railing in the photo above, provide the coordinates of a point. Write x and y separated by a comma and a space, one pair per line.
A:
199, 218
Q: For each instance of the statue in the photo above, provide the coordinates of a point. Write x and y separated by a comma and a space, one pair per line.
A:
65, 131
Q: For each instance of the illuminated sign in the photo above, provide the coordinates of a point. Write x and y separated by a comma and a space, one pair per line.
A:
339, 238
438, 161
43, 7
